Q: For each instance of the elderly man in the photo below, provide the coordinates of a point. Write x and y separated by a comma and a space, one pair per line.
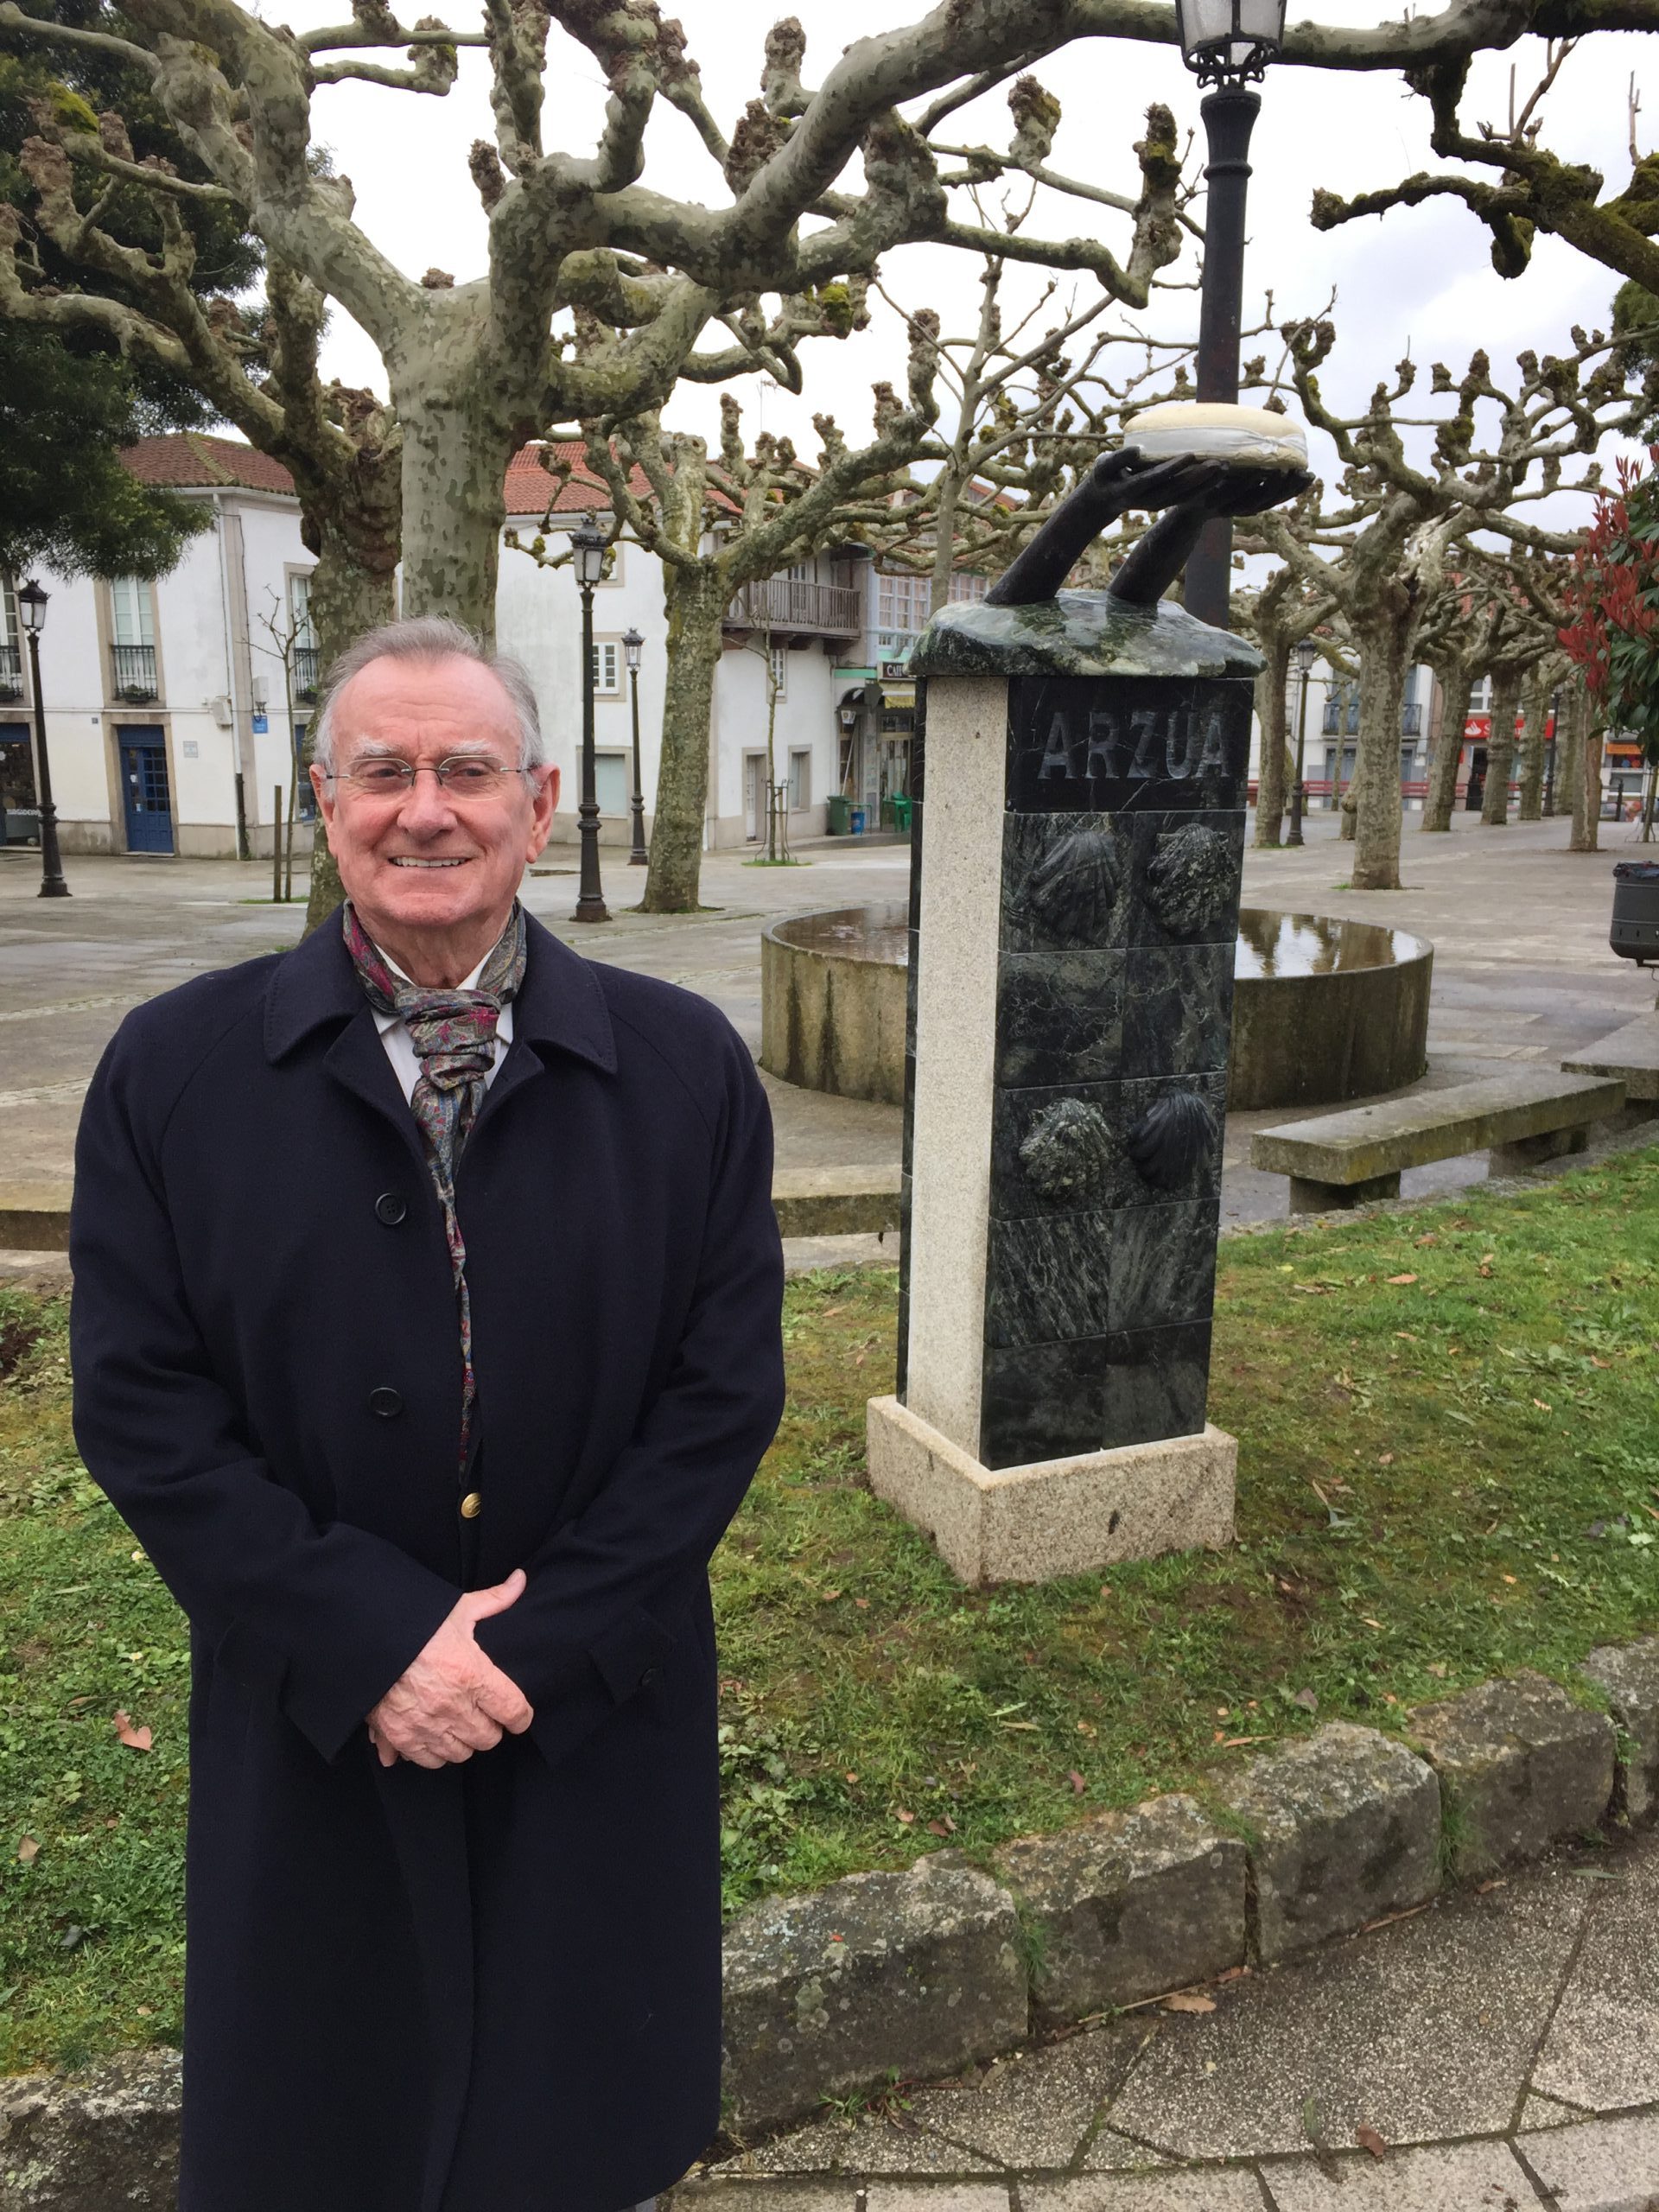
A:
426, 1334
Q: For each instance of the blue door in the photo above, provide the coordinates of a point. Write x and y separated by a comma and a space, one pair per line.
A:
143, 786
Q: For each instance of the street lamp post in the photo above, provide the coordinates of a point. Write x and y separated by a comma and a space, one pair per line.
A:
1225, 43
1304, 653
587, 558
31, 608
632, 644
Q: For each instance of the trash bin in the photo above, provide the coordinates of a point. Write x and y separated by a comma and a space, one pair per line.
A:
1635, 934
837, 808
901, 815
856, 820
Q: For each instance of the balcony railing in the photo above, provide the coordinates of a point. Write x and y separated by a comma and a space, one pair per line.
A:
791, 603
135, 671
1411, 721
1342, 718
305, 672
11, 672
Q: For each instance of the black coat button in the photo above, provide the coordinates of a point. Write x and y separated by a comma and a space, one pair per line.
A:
390, 1208
386, 1402
648, 1677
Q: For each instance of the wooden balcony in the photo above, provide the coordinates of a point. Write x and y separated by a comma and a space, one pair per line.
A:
794, 607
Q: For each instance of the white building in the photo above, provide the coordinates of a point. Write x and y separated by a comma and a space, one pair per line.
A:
167, 703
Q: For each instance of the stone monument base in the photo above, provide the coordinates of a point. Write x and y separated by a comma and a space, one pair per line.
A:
1054, 1516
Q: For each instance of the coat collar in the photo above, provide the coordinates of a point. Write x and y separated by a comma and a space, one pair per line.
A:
561, 1003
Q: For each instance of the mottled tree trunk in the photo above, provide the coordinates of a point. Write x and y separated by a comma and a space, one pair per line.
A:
1456, 684
1270, 691
457, 440
349, 595
1385, 650
1586, 781
1500, 746
1535, 709
696, 599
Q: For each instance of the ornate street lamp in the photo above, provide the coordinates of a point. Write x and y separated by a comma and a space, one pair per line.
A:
31, 609
632, 644
1304, 653
1225, 43
587, 559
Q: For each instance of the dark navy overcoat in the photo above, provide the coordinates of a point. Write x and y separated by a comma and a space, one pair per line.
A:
494, 1986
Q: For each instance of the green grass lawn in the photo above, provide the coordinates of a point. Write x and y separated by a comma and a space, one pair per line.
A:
1449, 1467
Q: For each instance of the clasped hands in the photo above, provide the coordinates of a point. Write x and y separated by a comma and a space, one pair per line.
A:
452, 1699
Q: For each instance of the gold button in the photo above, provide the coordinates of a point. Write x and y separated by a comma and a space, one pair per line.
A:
471, 1506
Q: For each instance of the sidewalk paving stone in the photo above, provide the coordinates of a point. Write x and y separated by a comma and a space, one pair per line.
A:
937, 2196
1602, 2165
820, 2195
1221, 2189
1451, 2177
1424, 2031
866, 2145
1544, 2112
1111, 2154
1602, 2051
1035, 2108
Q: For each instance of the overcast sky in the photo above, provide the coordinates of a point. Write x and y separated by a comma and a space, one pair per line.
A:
1421, 280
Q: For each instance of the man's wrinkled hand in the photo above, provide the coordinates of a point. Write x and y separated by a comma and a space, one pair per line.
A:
452, 1699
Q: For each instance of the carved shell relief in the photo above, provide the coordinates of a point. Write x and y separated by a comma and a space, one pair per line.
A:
1071, 889
1171, 1138
1190, 879
1067, 1151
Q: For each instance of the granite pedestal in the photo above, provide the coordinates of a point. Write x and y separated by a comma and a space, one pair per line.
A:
1075, 901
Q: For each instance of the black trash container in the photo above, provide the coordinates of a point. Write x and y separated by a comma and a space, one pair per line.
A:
1635, 934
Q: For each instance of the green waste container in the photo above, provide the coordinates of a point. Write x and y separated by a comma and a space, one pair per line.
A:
901, 815
838, 810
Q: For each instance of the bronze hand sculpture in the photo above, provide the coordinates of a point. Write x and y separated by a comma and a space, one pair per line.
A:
1190, 491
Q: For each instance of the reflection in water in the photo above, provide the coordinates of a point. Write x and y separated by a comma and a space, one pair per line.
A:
853, 933
1270, 944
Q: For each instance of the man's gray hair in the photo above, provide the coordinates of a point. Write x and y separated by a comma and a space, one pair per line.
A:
429, 636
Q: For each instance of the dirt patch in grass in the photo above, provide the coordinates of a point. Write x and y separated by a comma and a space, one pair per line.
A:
1448, 1468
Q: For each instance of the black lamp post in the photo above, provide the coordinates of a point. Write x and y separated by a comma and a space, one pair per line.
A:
1225, 43
1304, 653
587, 558
632, 644
31, 608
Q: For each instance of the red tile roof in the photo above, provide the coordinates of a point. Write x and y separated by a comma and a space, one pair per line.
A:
530, 487
192, 459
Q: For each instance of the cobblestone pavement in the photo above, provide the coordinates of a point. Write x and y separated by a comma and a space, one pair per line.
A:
1497, 2051
1522, 970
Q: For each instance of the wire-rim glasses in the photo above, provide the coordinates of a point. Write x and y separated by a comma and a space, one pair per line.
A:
463, 776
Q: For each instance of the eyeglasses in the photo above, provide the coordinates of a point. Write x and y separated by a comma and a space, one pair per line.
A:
467, 775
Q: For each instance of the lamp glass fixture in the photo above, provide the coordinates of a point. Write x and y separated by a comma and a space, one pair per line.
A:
1228, 41
1305, 652
588, 555
631, 643
31, 606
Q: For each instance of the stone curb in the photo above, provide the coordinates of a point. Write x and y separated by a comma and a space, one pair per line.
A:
832, 1991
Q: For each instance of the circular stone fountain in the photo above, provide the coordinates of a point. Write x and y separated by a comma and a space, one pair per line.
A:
1323, 1010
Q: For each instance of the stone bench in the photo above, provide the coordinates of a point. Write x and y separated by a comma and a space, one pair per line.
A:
807, 1201
1630, 1054
1349, 1158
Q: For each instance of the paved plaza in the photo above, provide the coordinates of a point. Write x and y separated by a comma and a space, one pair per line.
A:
1521, 968
1499, 2051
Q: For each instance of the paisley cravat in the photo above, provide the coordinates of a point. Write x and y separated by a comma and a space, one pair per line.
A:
453, 1032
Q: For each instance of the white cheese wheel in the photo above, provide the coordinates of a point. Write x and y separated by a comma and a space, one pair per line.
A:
1247, 437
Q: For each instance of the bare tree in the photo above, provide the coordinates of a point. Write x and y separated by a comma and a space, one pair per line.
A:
720, 525
1533, 190
1400, 518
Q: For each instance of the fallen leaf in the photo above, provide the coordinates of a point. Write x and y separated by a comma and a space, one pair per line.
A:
1369, 2140
1594, 1362
1233, 1742
1077, 1784
28, 1850
942, 1827
1510, 1579
905, 1818
1387, 1460
1398, 1279
831, 1595
1542, 1406
863, 1605
852, 1778
138, 1739
1308, 1700
1369, 1622
1437, 1667
1484, 1889
1188, 2001
1430, 1239
1224, 1713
